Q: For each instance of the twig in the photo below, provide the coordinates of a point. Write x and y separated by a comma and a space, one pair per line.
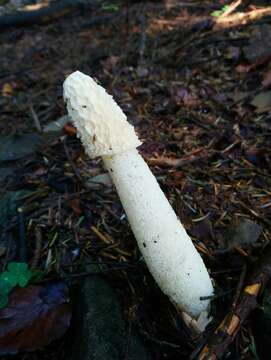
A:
38, 248
231, 8
143, 37
226, 332
240, 285
241, 18
22, 241
157, 341
85, 274
35, 118
76, 173
176, 163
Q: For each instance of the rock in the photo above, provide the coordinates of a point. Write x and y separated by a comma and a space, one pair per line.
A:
100, 332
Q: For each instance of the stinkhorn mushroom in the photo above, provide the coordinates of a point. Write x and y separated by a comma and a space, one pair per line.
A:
167, 249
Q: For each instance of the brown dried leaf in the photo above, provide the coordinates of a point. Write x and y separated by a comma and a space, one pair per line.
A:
34, 317
75, 205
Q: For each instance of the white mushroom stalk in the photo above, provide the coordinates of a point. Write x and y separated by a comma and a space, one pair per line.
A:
167, 249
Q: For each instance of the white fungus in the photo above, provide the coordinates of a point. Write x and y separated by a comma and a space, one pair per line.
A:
167, 249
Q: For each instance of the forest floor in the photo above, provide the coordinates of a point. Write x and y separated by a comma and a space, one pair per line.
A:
199, 96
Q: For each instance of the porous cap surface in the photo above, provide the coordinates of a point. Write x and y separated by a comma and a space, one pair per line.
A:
101, 124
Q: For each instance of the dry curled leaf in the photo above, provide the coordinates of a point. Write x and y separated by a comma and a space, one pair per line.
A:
34, 317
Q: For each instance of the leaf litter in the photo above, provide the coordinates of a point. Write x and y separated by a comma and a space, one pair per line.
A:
197, 98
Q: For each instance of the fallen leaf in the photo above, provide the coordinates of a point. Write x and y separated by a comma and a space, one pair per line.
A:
238, 96
69, 130
98, 181
34, 317
262, 102
57, 125
75, 205
17, 274
243, 233
202, 231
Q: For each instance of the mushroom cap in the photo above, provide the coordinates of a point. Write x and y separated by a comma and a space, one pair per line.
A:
101, 124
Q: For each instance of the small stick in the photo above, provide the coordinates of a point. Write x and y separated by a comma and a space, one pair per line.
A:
240, 285
37, 252
36, 119
22, 242
241, 18
231, 8
76, 173
226, 332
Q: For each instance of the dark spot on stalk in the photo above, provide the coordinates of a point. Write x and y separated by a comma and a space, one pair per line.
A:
144, 245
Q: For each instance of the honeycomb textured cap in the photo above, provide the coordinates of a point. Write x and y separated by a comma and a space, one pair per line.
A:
100, 122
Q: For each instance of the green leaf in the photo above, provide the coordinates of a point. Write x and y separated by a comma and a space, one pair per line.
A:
3, 300
10, 278
17, 268
37, 275
5, 287
216, 13
110, 7
24, 278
